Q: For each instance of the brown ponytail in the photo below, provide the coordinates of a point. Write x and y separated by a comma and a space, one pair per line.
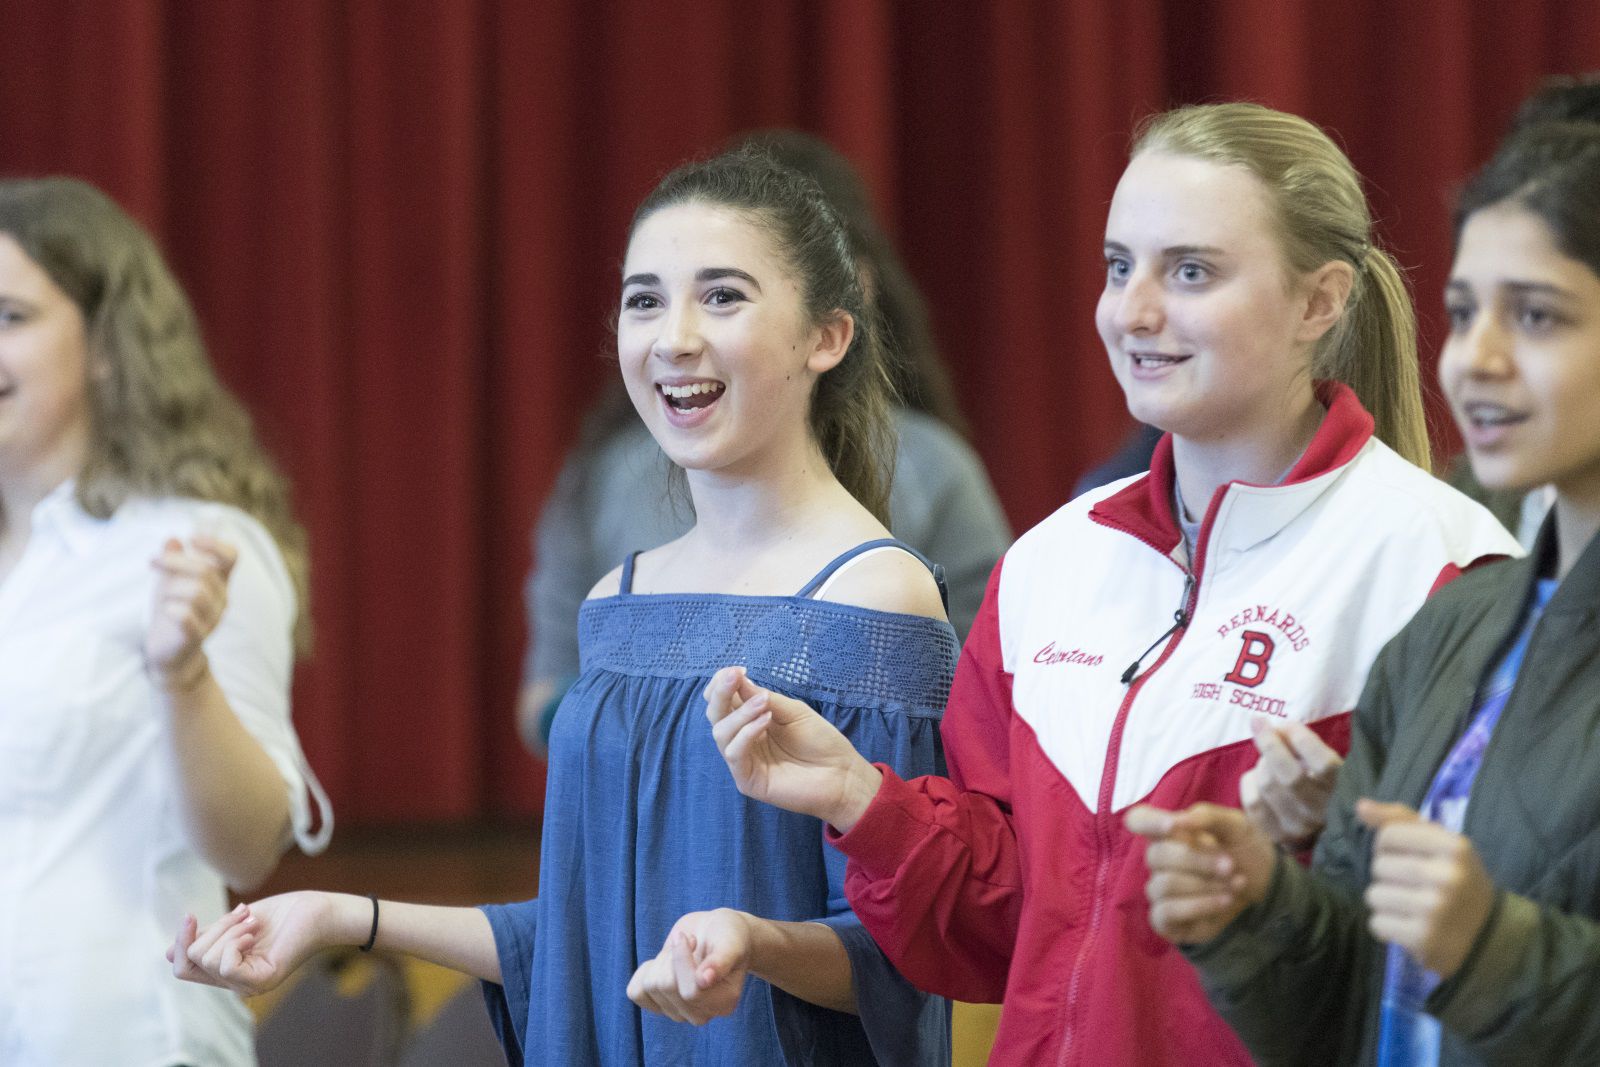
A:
851, 414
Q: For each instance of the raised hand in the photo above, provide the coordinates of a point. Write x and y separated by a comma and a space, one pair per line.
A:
700, 971
1286, 793
191, 593
1207, 864
782, 752
1429, 893
254, 947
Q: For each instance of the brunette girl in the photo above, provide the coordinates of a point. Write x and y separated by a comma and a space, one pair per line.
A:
744, 341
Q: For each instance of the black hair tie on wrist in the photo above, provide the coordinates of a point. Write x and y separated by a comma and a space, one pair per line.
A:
372, 937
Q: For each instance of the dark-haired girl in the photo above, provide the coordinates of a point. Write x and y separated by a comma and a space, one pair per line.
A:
1453, 912
744, 342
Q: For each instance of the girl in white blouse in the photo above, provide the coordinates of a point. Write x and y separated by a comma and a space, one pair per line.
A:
152, 591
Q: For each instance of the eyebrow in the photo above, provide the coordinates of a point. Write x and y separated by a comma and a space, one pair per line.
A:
711, 274
1520, 288
1539, 289
705, 274
1175, 251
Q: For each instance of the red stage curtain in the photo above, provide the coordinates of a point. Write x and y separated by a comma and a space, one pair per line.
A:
402, 221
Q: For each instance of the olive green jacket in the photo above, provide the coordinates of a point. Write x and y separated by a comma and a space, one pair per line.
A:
1300, 978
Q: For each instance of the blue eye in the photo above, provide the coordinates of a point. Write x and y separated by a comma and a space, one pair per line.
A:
1118, 268
1193, 273
1459, 314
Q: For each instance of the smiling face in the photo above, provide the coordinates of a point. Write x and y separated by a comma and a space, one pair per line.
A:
717, 351
1207, 333
44, 361
1521, 367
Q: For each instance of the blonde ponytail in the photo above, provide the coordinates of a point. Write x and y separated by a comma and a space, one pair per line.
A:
1373, 350
1323, 217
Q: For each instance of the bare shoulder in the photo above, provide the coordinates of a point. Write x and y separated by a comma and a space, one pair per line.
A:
610, 585
889, 581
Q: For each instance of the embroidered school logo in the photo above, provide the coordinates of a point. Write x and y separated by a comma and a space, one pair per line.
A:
1255, 659
1263, 619
1262, 630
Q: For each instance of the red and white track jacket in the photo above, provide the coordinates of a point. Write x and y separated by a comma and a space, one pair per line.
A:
1014, 877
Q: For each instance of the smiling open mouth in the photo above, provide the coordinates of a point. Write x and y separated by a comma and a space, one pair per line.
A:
1485, 415
1154, 359
690, 397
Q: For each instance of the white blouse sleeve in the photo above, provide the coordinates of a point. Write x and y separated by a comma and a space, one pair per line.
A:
252, 657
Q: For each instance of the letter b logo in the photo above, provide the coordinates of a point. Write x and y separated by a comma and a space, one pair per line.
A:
1251, 669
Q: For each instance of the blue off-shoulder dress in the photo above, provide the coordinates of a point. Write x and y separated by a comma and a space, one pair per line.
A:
643, 825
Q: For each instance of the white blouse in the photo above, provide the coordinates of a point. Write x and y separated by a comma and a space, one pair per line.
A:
95, 868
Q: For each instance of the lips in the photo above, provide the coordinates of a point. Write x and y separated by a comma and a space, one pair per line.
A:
688, 402
1151, 365
1486, 415
691, 395
1155, 359
1488, 426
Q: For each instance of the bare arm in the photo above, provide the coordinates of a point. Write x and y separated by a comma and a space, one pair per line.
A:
804, 959
231, 798
458, 938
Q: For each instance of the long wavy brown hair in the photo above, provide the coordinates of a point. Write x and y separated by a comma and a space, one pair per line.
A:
161, 424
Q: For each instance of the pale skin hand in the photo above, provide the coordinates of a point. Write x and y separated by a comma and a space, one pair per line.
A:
700, 971
1429, 893
1286, 793
1207, 864
783, 753
191, 593
230, 795
256, 946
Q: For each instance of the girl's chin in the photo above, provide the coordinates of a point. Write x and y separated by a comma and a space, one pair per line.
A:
1499, 476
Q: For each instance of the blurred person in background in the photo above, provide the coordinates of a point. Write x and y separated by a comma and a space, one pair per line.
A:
152, 596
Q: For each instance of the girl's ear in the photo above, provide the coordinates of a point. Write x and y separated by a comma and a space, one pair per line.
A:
833, 338
1327, 292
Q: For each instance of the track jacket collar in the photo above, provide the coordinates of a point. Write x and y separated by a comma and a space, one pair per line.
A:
1254, 513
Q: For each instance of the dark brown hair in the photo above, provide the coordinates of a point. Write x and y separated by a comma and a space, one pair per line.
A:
920, 378
1551, 169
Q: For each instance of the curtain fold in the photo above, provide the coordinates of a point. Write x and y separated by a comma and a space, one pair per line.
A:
401, 224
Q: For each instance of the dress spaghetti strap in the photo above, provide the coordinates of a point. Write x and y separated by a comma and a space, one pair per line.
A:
818, 585
625, 586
